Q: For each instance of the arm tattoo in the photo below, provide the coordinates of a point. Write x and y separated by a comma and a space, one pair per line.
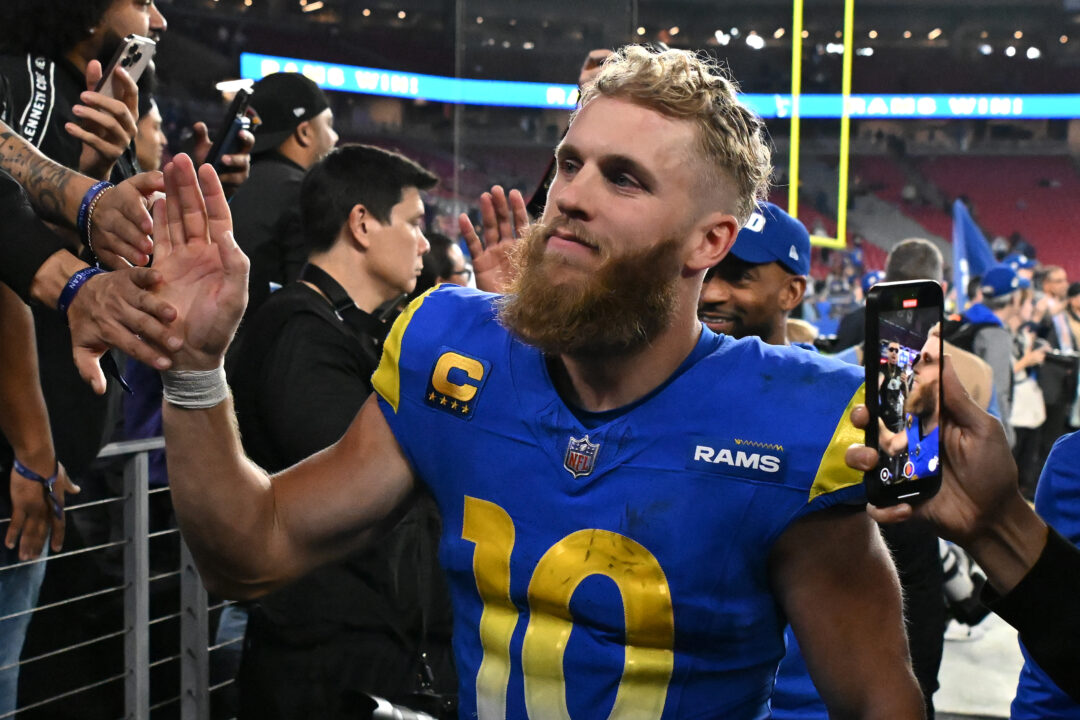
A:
45, 181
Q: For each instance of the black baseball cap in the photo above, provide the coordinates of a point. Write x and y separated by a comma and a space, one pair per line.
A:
284, 100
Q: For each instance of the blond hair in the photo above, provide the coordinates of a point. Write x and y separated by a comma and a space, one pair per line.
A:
693, 87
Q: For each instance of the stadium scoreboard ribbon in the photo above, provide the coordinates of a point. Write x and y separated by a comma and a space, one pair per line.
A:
433, 88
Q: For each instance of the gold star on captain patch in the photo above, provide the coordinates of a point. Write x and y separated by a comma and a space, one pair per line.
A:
442, 401
464, 409
453, 405
431, 397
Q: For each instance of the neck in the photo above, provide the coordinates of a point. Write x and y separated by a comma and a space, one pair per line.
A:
778, 335
81, 55
293, 151
599, 384
928, 423
359, 287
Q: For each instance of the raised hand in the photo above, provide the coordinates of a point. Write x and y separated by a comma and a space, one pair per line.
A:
204, 272
121, 225
503, 220
108, 124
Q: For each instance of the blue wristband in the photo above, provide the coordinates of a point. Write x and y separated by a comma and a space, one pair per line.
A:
46, 482
67, 295
82, 222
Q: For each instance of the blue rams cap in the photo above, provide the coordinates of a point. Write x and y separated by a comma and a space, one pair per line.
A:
871, 279
1001, 280
772, 235
1018, 261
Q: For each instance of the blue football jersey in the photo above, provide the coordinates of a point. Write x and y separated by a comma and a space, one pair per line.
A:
1057, 500
923, 451
618, 568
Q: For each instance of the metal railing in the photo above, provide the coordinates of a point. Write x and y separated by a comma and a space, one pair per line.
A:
193, 689
194, 615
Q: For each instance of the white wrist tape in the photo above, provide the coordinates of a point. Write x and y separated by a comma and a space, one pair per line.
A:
194, 389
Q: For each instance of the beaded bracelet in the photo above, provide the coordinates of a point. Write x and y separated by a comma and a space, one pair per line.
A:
89, 200
46, 482
90, 220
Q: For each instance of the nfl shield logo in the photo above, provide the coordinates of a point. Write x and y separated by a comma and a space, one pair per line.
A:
580, 456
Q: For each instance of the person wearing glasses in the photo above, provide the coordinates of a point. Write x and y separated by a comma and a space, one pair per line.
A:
444, 263
893, 388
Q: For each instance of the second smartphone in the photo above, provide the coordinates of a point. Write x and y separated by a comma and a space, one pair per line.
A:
903, 361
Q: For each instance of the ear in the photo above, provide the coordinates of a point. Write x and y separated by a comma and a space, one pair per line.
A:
791, 294
713, 238
357, 224
302, 133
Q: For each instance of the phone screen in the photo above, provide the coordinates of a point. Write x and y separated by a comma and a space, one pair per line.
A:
903, 370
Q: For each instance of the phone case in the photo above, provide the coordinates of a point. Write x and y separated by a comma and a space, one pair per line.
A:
235, 120
134, 55
903, 364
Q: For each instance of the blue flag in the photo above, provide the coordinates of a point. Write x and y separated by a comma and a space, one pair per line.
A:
971, 253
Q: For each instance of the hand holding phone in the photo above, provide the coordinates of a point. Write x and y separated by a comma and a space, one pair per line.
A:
903, 361
134, 55
228, 139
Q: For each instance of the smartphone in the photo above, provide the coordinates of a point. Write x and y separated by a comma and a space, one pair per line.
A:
228, 139
134, 55
903, 362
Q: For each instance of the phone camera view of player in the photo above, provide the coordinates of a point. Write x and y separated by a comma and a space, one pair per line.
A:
909, 445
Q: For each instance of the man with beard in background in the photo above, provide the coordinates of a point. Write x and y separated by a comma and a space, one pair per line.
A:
582, 425
919, 436
54, 52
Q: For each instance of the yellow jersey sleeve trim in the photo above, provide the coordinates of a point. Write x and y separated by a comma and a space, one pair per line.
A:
833, 473
387, 377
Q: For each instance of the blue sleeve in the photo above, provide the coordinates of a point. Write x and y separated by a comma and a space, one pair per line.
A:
1057, 497
417, 363
993, 408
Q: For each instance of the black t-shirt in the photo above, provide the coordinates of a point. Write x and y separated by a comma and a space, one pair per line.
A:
266, 222
893, 394
299, 377
38, 96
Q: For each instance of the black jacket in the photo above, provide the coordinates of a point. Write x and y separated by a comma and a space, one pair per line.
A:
266, 222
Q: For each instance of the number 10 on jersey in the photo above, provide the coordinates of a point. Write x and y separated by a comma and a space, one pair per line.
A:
647, 609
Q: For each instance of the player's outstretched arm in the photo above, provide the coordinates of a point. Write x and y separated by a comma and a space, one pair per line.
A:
249, 533
836, 581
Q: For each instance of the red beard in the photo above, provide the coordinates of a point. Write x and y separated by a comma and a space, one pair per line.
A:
615, 310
